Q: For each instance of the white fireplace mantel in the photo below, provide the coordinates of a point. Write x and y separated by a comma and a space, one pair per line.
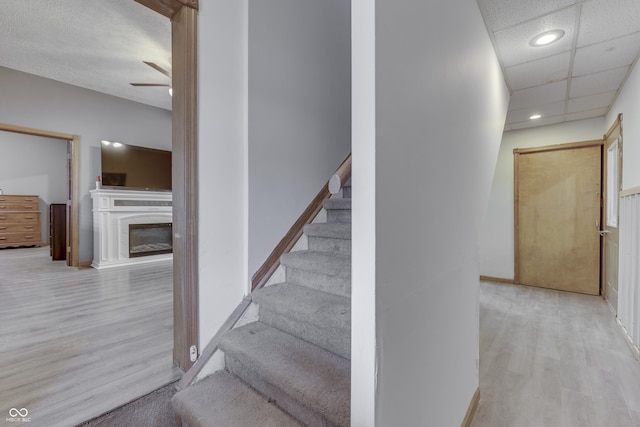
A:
113, 212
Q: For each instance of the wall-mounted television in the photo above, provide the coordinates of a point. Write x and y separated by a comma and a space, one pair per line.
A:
133, 167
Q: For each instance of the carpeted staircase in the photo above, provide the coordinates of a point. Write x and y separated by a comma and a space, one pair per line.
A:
291, 367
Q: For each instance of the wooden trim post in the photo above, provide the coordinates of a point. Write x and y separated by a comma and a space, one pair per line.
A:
185, 186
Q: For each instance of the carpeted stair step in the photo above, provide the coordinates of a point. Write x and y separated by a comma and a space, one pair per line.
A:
318, 317
311, 384
323, 237
223, 400
338, 210
319, 270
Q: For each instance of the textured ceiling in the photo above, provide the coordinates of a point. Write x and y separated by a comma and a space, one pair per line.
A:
100, 45
575, 78
95, 44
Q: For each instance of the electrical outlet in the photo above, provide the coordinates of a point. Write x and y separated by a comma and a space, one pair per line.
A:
193, 353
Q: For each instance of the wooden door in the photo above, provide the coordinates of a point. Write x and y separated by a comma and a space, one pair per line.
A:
611, 184
557, 195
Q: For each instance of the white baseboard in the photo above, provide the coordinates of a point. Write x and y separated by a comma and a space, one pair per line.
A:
633, 347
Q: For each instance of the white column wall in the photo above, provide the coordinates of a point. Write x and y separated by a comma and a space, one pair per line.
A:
364, 355
222, 155
497, 238
440, 106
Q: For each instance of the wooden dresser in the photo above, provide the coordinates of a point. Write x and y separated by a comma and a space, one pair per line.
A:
19, 221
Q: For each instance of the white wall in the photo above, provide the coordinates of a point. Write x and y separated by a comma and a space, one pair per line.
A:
628, 103
34, 165
299, 110
45, 104
496, 244
222, 155
425, 163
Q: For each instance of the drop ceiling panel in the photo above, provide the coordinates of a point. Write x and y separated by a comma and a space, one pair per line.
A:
608, 19
607, 55
591, 102
501, 14
535, 123
592, 84
588, 114
540, 72
513, 43
537, 96
522, 115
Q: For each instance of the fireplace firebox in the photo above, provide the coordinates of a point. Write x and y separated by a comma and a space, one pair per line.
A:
150, 239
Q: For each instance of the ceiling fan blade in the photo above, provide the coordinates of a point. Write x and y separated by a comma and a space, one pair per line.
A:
157, 67
149, 84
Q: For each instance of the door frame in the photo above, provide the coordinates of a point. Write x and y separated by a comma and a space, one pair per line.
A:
516, 210
184, 24
73, 194
616, 126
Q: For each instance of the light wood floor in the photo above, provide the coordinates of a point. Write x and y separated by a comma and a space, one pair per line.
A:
551, 358
75, 343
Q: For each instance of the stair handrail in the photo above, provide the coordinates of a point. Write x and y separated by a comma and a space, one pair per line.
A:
342, 175
266, 270
271, 264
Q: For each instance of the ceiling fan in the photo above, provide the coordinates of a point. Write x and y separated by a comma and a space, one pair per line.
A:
158, 68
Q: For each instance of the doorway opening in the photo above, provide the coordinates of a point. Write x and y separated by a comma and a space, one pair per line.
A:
72, 215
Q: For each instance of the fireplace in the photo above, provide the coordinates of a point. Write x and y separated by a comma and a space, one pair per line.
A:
114, 211
150, 239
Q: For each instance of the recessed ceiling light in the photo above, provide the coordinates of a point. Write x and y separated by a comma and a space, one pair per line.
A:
546, 38
535, 117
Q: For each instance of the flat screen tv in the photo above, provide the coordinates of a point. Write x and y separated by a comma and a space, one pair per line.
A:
133, 167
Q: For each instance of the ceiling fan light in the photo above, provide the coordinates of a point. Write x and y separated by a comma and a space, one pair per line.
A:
546, 38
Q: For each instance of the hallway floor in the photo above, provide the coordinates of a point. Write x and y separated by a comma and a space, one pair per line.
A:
552, 358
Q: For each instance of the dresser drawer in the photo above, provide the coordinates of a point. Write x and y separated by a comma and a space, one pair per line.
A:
21, 217
18, 228
20, 207
17, 198
13, 199
22, 238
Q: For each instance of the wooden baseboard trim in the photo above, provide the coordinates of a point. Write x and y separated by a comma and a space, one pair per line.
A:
472, 409
84, 264
497, 279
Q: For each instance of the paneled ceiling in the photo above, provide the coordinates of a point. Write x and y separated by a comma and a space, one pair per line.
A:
100, 45
578, 76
